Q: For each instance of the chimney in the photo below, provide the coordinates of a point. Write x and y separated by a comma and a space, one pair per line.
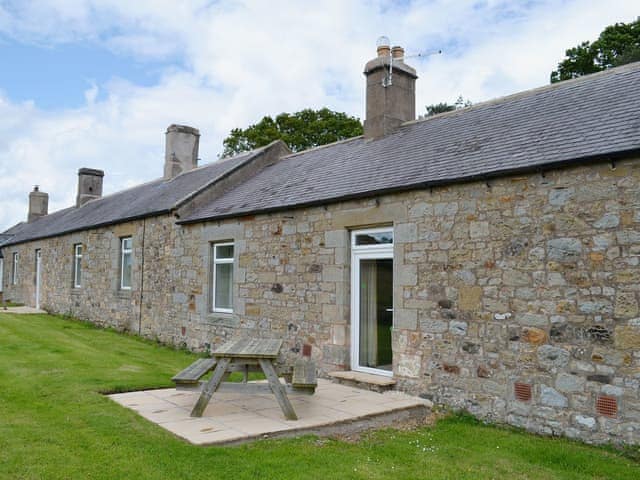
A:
181, 150
89, 185
38, 204
391, 91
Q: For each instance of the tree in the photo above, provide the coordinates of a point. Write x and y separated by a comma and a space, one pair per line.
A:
301, 130
437, 108
443, 107
617, 45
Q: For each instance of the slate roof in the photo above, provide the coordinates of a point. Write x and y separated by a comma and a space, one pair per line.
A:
589, 117
144, 200
3, 239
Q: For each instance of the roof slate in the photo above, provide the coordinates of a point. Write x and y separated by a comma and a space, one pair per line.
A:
588, 117
144, 200
4, 238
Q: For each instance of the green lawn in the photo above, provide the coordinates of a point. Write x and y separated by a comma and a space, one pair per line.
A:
54, 423
9, 303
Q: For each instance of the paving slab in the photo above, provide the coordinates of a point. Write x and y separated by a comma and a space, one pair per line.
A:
231, 418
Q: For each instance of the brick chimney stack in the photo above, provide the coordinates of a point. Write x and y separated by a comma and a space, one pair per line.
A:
38, 204
89, 185
391, 92
181, 150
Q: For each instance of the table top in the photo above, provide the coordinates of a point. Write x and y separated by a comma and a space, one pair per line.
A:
249, 348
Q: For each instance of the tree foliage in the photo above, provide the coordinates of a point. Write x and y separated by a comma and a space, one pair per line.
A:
617, 45
300, 130
443, 107
437, 108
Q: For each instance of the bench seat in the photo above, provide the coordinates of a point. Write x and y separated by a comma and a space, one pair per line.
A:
190, 376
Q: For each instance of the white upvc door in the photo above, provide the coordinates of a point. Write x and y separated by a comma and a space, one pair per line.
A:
38, 272
372, 301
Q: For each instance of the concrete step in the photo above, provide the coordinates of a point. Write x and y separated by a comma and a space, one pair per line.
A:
365, 381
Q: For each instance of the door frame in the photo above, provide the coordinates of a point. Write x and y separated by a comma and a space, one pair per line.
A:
358, 253
38, 275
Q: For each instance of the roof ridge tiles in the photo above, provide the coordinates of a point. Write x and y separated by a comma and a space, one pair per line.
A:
327, 145
528, 93
219, 161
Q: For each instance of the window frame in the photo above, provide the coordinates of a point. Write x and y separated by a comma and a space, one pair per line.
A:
14, 268
221, 261
373, 246
123, 252
77, 264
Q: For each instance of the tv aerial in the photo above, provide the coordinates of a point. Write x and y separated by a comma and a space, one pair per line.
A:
384, 42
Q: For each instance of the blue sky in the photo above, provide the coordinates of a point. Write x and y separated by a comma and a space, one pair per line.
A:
56, 77
95, 83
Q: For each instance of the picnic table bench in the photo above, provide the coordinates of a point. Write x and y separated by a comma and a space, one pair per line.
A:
190, 376
246, 355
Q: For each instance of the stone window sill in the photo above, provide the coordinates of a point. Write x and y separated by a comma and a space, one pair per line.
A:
76, 291
123, 293
223, 319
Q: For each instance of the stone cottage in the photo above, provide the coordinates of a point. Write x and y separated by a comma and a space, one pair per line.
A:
486, 258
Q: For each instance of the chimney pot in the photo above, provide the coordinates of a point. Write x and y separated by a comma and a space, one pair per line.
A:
38, 204
383, 46
89, 185
383, 51
181, 150
397, 52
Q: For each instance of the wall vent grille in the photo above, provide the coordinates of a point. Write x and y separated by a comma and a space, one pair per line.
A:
607, 406
522, 391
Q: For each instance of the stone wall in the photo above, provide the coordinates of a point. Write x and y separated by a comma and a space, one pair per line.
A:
531, 280
100, 298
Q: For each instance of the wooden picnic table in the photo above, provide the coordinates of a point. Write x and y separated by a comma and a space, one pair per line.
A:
248, 355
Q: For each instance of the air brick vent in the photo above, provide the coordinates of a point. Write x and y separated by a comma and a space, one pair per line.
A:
522, 391
607, 406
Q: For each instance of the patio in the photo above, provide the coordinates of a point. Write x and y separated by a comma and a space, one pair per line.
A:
233, 418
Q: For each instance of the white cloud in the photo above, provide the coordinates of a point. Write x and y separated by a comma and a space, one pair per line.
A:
240, 60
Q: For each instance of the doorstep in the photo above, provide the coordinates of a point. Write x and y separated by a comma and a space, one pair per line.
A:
367, 381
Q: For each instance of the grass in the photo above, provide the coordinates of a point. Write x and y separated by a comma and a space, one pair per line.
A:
9, 303
54, 423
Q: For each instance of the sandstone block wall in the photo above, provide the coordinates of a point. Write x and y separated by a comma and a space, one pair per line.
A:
100, 298
517, 299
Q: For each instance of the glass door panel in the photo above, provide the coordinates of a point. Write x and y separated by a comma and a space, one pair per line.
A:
376, 313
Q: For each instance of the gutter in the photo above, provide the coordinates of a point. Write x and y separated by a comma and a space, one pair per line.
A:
589, 160
90, 227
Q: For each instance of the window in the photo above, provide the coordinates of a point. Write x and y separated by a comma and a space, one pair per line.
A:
77, 265
14, 271
1, 273
222, 291
373, 237
125, 263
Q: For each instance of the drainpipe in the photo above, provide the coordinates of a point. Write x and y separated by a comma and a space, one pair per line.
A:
144, 231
